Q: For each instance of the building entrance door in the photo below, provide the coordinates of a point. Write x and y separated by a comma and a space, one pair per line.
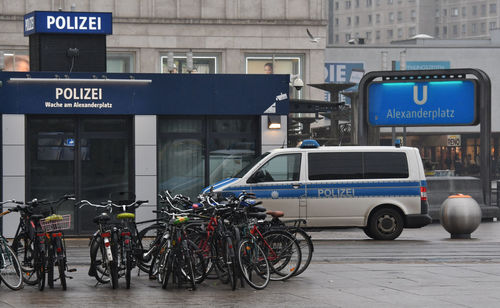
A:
91, 157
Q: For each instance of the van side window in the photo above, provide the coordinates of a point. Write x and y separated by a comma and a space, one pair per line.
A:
385, 165
357, 165
280, 168
335, 166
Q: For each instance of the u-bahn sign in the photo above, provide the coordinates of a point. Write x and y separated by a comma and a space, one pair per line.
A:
419, 103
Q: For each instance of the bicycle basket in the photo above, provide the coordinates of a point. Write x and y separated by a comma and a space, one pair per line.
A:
56, 223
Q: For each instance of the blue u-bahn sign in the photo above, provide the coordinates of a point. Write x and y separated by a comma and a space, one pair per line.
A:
419, 103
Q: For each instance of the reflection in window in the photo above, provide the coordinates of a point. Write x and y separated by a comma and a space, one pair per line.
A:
16, 62
202, 64
282, 168
117, 62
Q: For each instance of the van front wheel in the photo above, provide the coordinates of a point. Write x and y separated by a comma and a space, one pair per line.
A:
385, 224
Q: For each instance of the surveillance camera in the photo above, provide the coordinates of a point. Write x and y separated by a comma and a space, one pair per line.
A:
298, 84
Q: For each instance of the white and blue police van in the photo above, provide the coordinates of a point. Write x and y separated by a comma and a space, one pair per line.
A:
381, 189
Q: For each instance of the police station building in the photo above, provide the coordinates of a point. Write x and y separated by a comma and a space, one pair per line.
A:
68, 126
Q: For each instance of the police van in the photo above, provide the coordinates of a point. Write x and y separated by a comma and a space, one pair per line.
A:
381, 189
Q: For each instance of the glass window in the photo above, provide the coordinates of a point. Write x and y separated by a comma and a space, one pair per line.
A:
455, 30
348, 4
454, 11
194, 152
202, 64
412, 31
348, 21
400, 33
337, 5
493, 8
335, 166
464, 29
15, 61
483, 27
356, 3
279, 64
390, 34
356, 20
483, 9
413, 14
493, 25
117, 62
385, 165
474, 28
391, 16
464, 11
400, 16
445, 12
370, 19
281, 168
368, 3
377, 35
390, 1
377, 18
445, 30
474, 10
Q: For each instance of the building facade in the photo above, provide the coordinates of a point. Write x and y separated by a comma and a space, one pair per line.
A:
383, 21
146, 153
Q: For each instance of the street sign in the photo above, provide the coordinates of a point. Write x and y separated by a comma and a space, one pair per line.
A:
423, 103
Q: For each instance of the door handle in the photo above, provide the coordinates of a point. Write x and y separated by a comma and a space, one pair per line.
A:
296, 186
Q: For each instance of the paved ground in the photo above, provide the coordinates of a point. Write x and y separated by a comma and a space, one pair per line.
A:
424, 268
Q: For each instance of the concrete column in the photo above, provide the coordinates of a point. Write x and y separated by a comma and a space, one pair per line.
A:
145, 164
13, 162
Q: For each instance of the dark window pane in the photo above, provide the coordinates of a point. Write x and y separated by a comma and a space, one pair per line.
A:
232, 126
384, 165
281, 168
335, 166
181, 126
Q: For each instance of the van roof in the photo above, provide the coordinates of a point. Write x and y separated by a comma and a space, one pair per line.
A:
346, 149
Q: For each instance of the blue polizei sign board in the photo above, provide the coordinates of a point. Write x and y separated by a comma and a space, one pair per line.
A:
68, 22
146, 94
422, 103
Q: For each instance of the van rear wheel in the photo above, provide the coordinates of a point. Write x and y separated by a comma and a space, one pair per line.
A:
385, 224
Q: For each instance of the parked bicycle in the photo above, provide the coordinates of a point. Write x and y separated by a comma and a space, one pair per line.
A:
10, 268
115, 248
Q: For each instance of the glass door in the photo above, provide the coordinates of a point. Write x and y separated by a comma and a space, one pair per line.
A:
88, 157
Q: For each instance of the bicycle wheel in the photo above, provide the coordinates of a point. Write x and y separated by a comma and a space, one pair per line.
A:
114, 264
128, 268
10, 268
62, 273
306, 248
150, 238
283, 254
40, 268
199, 263
231, 263
50, 267
167, 268
253, 264
102, 265
23, 248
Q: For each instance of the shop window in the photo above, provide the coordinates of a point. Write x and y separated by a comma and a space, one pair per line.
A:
195, 152
117, 62
15, 61
277, 64
202, 64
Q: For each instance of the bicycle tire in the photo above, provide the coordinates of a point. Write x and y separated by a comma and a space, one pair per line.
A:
168, 268
23, 247
283, 253
40, 269
114, 263
251, 258
102, 265
306, 247
155, 233
50, 267
9, 256
231, 263
62, 274
128, 268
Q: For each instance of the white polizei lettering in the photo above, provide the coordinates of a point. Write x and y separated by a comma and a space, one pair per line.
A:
59, 91
50, 21
83, 22
92, 23
60, 22
98, 23
68, 93
95, 93
68, 23
100, 93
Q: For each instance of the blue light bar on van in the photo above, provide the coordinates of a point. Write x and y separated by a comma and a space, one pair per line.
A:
309, 144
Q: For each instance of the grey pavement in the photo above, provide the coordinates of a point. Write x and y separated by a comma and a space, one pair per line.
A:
423, 268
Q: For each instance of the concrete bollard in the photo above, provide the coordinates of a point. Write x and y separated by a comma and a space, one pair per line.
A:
460, 215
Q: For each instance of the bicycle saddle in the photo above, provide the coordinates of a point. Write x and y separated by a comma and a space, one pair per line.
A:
257, 209
276, 213
103, 217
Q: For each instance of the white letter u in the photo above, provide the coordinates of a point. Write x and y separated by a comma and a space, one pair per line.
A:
415, 95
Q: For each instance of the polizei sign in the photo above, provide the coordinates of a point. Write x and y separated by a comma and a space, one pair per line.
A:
415, 103
67, 22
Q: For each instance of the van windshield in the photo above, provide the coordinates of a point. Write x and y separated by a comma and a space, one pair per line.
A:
243, 171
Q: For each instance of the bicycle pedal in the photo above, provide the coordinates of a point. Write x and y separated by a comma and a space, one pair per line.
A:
69, 277
71, 270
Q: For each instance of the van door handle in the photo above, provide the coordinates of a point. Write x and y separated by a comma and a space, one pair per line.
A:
296, 186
